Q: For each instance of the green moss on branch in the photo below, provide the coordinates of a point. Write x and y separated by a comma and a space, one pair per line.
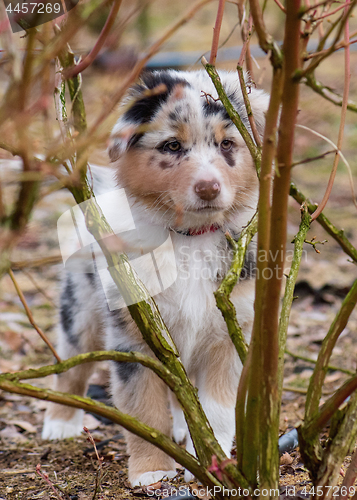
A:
337, 234
289, 289
150, 434
225, 289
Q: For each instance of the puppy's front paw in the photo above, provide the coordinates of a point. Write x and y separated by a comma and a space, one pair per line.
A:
188, 476
180, 429
180, 434
55, 428
151, 477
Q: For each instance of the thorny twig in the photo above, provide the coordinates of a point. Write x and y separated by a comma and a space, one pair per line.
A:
337, 234
248, 107
339, 46
48, 481
30, 317
314, 361
280, 5
340, 23
33, 263
313, 243
342, 121
216, 32
99, 473
341, 155
87, 61
313, 158
247, 35
38, 287
316, 5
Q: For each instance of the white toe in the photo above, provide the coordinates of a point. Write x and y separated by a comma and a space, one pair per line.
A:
152, 477
180, 429
180, 434
55, 428
188, 476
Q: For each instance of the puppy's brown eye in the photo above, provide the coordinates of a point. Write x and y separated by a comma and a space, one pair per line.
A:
226, 145
173, 146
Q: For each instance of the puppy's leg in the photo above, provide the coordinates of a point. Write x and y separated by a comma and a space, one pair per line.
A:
217, 381
78, 332
139, 392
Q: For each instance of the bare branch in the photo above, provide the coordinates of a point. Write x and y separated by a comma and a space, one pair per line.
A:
87, 61
30, 317
342, 121
216, 32
248, 107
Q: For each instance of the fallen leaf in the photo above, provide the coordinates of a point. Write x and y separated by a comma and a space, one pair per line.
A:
26, 426
199, 491
10, 433
286, 459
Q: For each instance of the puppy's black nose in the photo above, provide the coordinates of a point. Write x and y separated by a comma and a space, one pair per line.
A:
208, 190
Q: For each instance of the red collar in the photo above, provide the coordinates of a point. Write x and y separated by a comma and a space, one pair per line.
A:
202, 230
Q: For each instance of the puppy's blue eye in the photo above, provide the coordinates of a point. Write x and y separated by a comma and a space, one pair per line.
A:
173, 147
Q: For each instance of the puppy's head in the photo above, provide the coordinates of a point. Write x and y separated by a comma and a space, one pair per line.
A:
177, 150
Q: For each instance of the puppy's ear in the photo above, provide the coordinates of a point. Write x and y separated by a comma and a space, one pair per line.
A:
259, 102
115, 149
123, 136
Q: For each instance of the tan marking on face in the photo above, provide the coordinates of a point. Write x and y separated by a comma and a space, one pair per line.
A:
178, 92
183, 132
220, 133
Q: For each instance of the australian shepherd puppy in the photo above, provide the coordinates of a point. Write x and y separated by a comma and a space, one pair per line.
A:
184, 168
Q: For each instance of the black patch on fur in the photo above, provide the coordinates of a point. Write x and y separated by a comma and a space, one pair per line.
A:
145, 108
118, 320
215, 108
91, 278
229, 157
250, 264
125, 371
239, 106
68, 305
